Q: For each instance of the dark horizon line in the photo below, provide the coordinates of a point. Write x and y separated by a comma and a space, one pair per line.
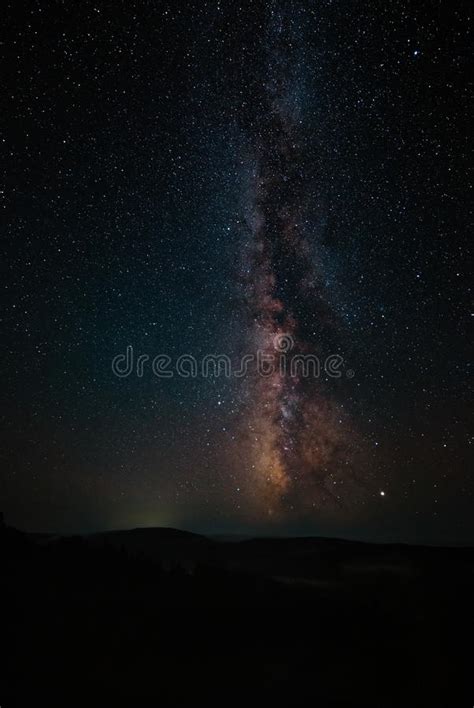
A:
248, 536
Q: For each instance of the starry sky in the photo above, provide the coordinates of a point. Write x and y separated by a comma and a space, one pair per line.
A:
225, 178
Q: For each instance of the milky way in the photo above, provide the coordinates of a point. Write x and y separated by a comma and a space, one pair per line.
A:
303, 445
215, 177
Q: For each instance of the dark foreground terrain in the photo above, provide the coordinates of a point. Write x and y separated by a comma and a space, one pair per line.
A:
186, 620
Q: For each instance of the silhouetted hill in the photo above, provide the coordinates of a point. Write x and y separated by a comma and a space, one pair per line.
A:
180, 618
152, 541
156, 533
296, 558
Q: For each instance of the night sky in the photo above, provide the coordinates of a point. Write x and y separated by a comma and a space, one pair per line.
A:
212, 178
